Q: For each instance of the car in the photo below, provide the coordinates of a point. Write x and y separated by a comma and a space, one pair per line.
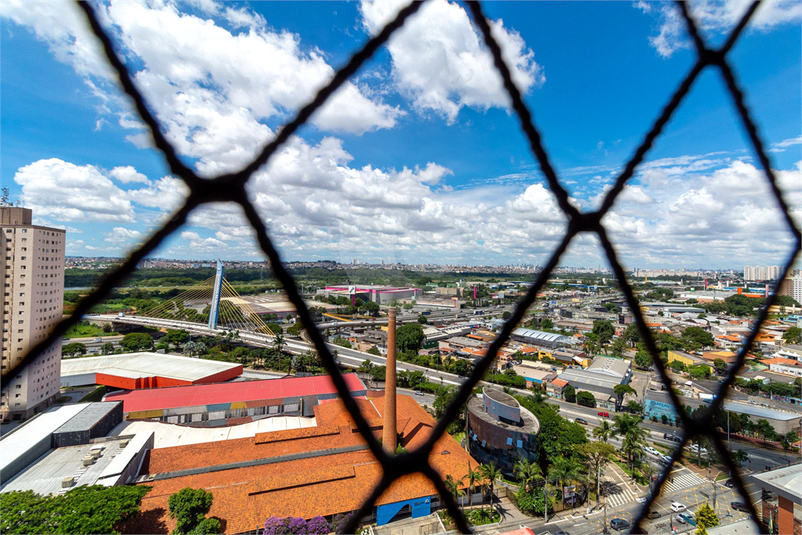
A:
729, 483
581, 421
679, 519
619, 524
641, 499
603, 414
418, 393
653, 514
677, 507
666, 458
688, 518
739, 506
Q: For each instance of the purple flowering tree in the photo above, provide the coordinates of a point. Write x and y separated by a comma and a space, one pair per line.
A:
296, 526
276, 525
317, 526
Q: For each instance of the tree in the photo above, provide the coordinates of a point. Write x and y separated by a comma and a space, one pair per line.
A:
564, 469
793, 336
740, 457
597, 455
527, 472
189, 507
107, 349
278, 343
604, 431
622, 390
506, 315
643, 360
422, 320
194, 347
569, 394
409, 337
546, 324
136, 342
634, 407
631, 335
720, 366
706, 517
633, 435
374, 351
472, 477
73, 348
176, 336
453, 487
83, 509
695, 338
604, 332
491, 473
765, 429
585, 398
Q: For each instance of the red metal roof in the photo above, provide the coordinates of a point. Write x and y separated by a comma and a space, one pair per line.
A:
242, 391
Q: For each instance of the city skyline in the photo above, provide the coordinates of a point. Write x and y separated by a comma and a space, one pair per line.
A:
418, 159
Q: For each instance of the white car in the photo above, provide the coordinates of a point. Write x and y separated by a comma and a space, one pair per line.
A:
677, 507
666, 458
652, 451
641, 500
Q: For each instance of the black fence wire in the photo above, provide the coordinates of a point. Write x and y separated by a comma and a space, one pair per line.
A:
231, 187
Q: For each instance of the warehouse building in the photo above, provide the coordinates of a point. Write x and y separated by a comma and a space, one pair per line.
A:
601, 377
133, 371
233, 403
540, 338
658, 404
67, 446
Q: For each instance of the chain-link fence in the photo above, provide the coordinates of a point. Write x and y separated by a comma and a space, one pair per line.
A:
231, 187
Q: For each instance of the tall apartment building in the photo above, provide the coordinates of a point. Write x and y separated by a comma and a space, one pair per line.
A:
762, 273
792, 286
32, 274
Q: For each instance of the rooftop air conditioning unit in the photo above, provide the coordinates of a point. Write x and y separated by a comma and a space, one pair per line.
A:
67, 482
88, 460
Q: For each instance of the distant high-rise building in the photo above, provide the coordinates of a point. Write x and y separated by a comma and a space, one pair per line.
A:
762, 273
32, 273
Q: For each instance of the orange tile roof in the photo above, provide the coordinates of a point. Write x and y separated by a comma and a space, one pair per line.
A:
559, 382
324, 485
783, 361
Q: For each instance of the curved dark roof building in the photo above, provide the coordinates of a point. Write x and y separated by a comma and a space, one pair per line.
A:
500, 430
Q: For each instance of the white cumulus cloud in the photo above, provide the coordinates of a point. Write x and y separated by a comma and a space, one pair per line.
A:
440, 62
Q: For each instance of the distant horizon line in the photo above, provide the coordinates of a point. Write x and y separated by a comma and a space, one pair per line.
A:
381, 263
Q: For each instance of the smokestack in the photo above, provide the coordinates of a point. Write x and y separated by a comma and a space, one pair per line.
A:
389, 436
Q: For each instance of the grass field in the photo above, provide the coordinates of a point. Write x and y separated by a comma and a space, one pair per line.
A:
86, 330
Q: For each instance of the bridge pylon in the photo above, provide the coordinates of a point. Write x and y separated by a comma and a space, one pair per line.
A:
214, 309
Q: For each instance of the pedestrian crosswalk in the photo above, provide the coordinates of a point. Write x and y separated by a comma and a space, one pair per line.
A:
617, 493
679, 480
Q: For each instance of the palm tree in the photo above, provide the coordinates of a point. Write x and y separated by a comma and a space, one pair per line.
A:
565, 469
526, 472
472, 477
604, 431
278, 343
453, 486
491, 473
634, 436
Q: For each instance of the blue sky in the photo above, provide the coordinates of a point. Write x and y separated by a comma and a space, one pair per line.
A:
418, 158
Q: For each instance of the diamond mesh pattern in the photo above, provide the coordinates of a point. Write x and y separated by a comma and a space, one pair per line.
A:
231, 187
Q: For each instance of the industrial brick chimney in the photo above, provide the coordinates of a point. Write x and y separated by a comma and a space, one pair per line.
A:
389, 432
